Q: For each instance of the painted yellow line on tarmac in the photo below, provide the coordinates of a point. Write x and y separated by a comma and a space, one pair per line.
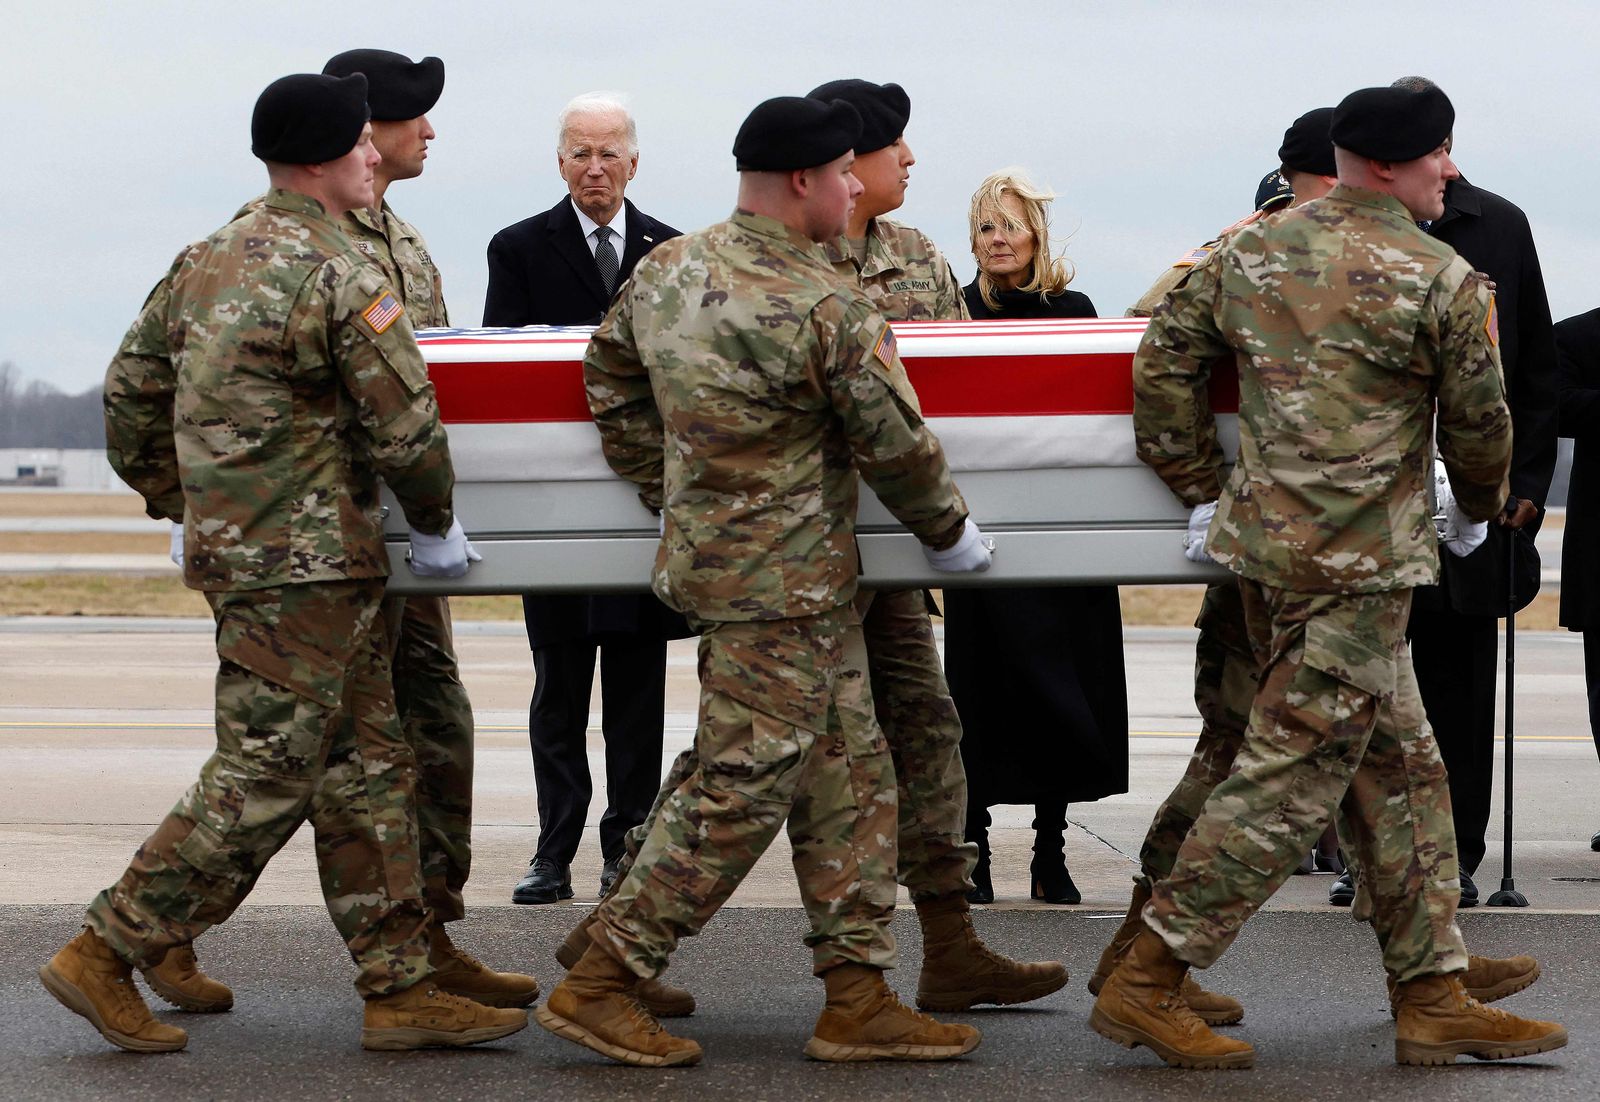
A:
115, 725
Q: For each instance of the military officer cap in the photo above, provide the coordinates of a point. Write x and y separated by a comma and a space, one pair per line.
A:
885, 109
1308, 144
790, 132
397, 87
307, 118
1273, 191
1393, 124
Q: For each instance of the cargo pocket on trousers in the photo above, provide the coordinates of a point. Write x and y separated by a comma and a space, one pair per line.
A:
299, 667
679, 872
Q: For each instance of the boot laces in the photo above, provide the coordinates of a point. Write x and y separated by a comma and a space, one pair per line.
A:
638, 1015
465, 959
1182, 1013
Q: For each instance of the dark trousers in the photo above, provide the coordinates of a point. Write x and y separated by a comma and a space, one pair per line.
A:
1455, 656
633, 681
1591, 680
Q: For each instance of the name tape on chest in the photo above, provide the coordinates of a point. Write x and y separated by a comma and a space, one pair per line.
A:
384, 312
903, 286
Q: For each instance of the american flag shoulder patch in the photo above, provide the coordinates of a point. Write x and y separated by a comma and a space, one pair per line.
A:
383, 312
884, 347
1193, 257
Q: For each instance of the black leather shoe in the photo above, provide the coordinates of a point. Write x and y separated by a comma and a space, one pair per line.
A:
982, 886
608, 876
1469, 892
1594, 842
1342, 892
545, 882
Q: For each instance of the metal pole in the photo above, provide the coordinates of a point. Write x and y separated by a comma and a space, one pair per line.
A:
1508, 896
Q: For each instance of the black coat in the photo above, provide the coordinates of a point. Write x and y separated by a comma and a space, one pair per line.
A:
541, 272
1578, 346
1493, 235
1037, 672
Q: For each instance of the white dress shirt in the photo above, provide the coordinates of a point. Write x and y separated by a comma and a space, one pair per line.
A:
618, 224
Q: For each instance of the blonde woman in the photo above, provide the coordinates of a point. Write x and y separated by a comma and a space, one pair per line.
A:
1036, 673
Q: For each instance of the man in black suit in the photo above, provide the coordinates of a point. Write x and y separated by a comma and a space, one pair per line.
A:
1578, 349
1454, 630
561, 268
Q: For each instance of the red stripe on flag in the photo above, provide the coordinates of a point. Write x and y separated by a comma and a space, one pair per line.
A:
949, 386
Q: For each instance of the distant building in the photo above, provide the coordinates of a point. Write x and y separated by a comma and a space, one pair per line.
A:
67, 468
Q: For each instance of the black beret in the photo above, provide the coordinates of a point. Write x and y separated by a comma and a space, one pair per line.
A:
1307, 145
791, 132
1393, 124
885, 109
306, 119
1273, 190
397, 87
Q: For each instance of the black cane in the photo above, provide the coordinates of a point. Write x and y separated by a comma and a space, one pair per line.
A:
1508, 896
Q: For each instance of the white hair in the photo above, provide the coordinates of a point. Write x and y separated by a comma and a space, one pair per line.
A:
597, 103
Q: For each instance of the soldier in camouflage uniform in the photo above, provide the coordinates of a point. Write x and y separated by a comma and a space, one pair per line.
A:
1226, 670
742, 388
294, 385
908, 279
1347, 324
434, 710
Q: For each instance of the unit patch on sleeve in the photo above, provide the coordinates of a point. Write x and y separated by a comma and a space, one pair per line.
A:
383, 312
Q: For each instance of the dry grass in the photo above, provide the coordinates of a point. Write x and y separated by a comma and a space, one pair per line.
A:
84, 543
36, 503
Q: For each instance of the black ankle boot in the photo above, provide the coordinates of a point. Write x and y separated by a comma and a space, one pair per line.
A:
1051, 881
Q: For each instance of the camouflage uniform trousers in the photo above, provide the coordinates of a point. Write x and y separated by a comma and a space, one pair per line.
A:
786, 731
1225, 679
436, 717
306, 728
1337, 722
918, 718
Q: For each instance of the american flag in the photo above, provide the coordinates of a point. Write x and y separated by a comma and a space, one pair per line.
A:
382, 313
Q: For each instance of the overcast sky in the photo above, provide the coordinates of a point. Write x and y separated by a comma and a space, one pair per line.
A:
128, 124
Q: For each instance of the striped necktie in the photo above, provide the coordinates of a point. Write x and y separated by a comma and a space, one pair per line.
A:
605, 257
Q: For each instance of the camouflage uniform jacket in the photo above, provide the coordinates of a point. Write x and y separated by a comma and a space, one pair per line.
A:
394, 245
740, 383
1347, 323
905, 274
297, 385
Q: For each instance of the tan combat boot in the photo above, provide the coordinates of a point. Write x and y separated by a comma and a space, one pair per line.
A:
460, 973
1210, 1007
424, 1016
596, 1008
1140, 1005
89, 979
661, 999
179, 981
1437, 1020
864, 1020
1488, 979
959, 971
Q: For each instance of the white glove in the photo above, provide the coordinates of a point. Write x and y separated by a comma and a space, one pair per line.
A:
1194, 539
175, 542
968, 555
1460, 536
446, 556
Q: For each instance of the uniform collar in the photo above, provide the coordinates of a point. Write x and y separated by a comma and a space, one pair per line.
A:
762, 226
1363, 198
282, 199
881, 256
